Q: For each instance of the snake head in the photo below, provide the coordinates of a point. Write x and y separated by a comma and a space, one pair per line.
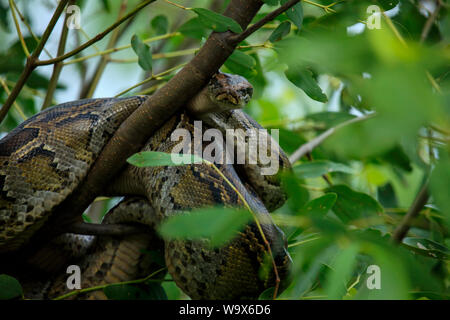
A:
223, 92
229, 91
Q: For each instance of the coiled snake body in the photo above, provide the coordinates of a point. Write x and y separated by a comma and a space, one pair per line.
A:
44, 159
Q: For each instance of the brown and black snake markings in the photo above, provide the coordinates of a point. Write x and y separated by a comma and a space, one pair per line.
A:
44, 159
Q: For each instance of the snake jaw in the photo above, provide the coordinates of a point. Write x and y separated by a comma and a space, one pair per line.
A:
227, 97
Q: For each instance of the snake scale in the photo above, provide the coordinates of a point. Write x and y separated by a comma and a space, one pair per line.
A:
45, 158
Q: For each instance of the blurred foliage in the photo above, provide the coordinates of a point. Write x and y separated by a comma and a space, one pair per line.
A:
314, 68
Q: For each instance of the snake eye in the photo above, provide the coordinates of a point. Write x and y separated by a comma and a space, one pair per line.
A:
246, 91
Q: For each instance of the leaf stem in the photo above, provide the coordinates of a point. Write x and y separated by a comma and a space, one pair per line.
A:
19, 32
177, 5
111, 50
100, 287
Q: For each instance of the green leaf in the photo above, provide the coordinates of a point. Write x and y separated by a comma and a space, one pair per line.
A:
160, 24
156, 159
387, 4
193, 28
386, 196
216, 21
329, 119
351, 205
143, 52
152, 291
241, 63
318, 168
295, 14
267, 294
282, 30
303, 78
298, 196
106, 5
340, 272
427, 248
156, 291
290, 140
218, 225
10, 288
320, 206
440, 185
4, 17
86, 218
271, 2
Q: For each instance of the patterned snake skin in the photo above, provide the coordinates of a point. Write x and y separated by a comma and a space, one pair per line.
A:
44, 159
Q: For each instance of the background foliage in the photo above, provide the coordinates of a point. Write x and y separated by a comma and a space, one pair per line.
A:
386, 91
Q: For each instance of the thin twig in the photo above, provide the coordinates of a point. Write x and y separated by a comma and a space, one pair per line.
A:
89, 89
57, 67
30, 30
97, 38
177, 5
309, 147
325, 176
403, 42
269, 17
16, 105
31, 61
100, 287
19, 32
418, 204
153, 77
111, 50
158, 56
429, 23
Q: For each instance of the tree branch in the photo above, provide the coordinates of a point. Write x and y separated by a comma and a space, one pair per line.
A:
57, 67
269, 17
97, 38
311, 145
89, 88
19, 32
429, 23
31, 61
418, 204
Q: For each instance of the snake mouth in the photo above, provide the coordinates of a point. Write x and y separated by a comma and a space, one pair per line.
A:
228, 97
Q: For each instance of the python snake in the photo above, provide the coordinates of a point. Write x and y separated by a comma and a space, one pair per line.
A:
45, 158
